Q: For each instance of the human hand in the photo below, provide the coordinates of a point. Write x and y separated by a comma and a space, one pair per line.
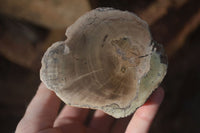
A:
42, 116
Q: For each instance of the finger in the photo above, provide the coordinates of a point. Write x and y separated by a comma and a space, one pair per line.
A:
41, 111
143, 117
101, 122
120, 125
71, 115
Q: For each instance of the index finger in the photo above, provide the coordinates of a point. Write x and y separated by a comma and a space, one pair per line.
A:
143, 117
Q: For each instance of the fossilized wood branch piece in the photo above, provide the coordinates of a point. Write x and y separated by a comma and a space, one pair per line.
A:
108, 62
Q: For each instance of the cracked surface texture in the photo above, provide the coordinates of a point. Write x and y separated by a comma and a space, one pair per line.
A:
108, 62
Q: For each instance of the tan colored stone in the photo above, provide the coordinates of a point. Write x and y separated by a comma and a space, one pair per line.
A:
108, 62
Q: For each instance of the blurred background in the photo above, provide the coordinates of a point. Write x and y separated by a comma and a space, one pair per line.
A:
29, 27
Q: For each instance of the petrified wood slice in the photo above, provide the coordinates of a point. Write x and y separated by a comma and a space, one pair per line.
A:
108, 62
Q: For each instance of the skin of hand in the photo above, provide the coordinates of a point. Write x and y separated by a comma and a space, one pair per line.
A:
42, 116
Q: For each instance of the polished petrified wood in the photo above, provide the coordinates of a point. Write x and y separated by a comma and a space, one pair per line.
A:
108, 62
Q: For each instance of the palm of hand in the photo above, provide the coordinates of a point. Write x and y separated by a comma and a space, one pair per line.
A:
42, 117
